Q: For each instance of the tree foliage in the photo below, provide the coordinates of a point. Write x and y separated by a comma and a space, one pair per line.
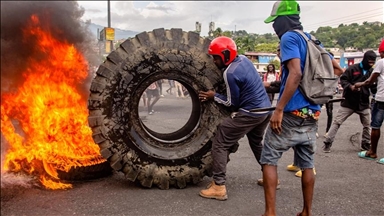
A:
366, 35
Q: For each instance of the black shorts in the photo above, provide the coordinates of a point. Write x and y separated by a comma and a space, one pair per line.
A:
153, 93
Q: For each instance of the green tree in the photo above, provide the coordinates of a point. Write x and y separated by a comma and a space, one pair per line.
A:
267, 47
218, 32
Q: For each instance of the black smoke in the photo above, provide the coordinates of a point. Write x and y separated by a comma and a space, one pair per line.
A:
65, 24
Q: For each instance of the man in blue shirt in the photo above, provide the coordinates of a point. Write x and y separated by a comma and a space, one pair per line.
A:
244, 92
294, 121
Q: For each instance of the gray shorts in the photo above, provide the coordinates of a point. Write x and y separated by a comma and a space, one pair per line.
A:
298, 133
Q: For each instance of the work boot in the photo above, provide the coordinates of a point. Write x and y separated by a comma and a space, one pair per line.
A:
299, 173
292, 168
215, 191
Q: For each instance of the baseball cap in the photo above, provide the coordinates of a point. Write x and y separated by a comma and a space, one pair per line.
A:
283, 7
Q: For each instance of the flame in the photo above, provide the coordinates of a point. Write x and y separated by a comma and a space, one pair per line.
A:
49, 110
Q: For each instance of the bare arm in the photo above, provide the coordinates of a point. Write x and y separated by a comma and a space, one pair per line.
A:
336, 68
293, 80
369, 81
291, 85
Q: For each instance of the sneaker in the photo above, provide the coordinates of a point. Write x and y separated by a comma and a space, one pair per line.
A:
292, 168
326, 135
260, 182
214, 191
161, 95
365, 146
299, 173
327, 147
150, 113
317, 135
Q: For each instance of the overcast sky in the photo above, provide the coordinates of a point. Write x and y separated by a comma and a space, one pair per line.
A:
228, 15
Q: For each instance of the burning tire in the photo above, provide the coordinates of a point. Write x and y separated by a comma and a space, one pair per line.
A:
82, 173
145, 156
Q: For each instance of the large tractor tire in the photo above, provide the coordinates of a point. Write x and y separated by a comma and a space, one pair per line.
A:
143, 155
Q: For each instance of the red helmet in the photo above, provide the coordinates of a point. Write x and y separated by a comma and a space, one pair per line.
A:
224, 47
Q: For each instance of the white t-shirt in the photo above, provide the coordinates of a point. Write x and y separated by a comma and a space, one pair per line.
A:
379, 68
271, 77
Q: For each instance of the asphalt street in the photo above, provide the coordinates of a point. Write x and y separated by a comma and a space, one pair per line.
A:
345, 184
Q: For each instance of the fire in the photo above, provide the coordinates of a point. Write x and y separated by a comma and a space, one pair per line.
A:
49, 110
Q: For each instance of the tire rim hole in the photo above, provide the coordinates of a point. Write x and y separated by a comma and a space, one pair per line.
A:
172, 118
171, 110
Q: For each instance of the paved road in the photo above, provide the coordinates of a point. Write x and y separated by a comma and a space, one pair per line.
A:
345, 185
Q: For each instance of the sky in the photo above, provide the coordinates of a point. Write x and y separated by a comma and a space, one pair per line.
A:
142, 16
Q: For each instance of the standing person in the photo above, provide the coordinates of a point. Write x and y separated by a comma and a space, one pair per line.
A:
152, 92
294, 120
377, 108
160, 86
179, 90
271, 76
245, 92
171, 86
356, 100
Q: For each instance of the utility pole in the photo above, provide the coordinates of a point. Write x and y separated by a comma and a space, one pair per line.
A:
109, 14
109, 22
234, 34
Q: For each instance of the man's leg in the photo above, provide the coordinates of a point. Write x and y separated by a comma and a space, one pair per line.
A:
155, 101
255, 136
149, 97
305, 148
156, 95
365, 119
342, 114
375, 136
270, 184
274, 146
229, 132
307, 185
377, 119
329, 108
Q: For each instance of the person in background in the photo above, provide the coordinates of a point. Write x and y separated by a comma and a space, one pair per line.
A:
152, 92
356, 100
245, 92
160, 86
171, 86
377, 117
271, 76
179, 90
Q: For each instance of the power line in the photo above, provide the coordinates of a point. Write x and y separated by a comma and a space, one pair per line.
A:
341, 18
337, 22
348, 20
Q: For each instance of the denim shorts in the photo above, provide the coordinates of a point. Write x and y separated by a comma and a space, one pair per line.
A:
298, 133
377, 115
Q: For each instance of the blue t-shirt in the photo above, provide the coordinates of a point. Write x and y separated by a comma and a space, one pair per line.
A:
293, 45
245, 89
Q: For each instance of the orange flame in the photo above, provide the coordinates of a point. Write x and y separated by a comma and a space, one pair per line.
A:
50, 112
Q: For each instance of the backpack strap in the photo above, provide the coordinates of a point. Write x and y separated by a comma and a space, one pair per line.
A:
313, 39
302, 34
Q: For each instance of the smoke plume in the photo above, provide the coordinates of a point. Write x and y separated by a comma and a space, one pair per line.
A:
64, 18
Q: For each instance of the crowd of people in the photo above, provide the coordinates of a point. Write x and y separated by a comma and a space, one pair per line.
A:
294, 121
